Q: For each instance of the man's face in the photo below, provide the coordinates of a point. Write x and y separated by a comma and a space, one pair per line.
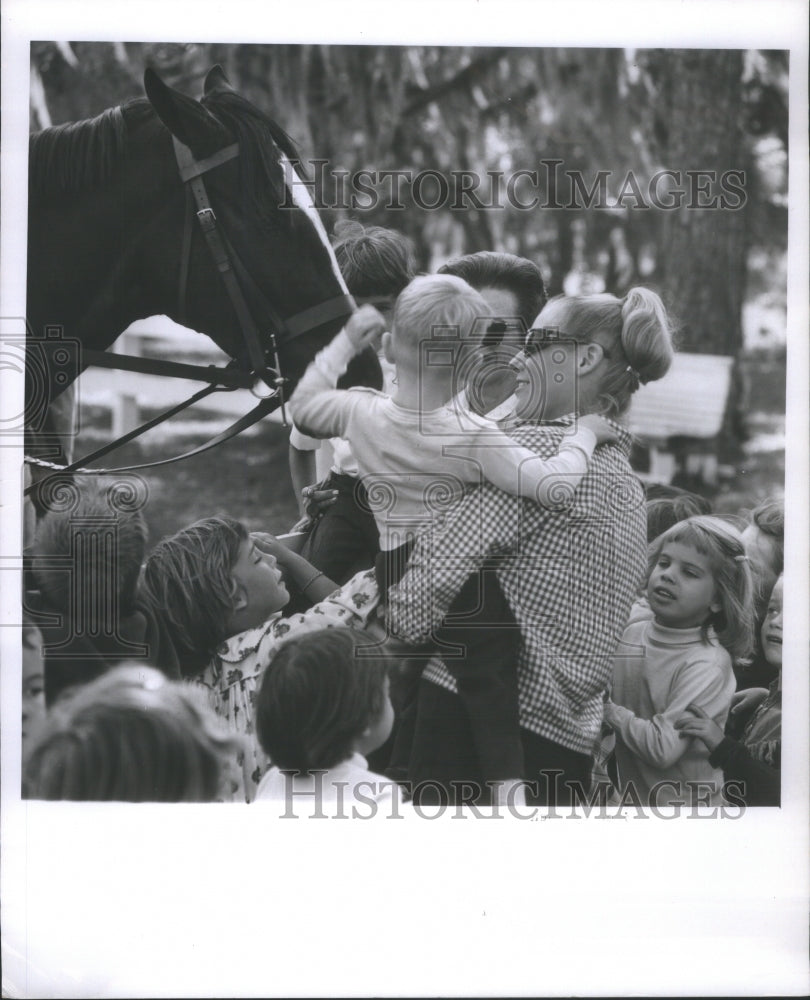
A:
384, 304
494, 379
511, 330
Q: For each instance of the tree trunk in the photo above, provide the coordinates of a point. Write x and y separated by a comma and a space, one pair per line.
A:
704, 248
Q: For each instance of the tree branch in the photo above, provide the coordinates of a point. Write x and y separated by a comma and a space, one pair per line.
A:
427, 95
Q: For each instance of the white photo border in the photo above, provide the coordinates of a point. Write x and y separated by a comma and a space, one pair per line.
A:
215, 901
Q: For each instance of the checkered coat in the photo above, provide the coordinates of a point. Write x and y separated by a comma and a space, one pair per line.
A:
570, 573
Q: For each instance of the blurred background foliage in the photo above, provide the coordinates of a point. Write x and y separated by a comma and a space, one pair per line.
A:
488, 109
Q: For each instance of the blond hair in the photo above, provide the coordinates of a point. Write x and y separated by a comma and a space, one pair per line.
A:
722, 545
635, 334
437, 305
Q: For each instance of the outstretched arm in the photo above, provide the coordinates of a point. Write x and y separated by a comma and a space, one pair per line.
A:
522, 472
316, 406
313, 584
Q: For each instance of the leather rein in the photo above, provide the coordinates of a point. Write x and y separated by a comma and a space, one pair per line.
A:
236, 278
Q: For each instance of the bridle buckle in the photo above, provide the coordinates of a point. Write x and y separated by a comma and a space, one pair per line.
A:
207, 219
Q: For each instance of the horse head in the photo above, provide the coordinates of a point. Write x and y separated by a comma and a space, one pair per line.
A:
286, 269
112, 239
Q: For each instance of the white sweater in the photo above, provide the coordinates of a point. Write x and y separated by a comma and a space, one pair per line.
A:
416, 464
658, 672
348, 790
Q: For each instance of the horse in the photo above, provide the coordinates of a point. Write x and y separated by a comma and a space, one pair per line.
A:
111, 240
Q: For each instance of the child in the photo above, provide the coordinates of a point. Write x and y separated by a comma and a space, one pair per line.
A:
415, 452
322, 707
130, 736
664, 511
376, 264
412, 439
755, 761
86, 563
221, 593
699, 590
666, 505
764, 540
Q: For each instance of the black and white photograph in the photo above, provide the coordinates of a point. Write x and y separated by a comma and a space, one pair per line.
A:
404, 422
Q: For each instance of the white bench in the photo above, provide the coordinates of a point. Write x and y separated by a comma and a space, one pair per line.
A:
688, 402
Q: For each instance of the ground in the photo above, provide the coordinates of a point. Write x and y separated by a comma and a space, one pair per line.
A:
248, 478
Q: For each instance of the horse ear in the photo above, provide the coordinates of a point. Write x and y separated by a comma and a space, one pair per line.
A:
216, 81
183, 116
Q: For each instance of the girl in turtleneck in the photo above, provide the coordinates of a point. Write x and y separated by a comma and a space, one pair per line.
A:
700, 594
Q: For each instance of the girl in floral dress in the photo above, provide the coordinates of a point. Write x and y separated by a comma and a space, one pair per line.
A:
222, 591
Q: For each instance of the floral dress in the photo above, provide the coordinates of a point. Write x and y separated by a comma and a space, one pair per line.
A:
232, 677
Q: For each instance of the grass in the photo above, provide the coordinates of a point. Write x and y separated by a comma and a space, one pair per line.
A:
246, 478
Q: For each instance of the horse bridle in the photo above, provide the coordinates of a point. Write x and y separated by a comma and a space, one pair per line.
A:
235, 276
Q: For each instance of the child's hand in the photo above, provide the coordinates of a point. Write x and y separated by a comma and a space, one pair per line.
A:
746, 701
601, 428
609, 717
699, 724
265, 542
365, 327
